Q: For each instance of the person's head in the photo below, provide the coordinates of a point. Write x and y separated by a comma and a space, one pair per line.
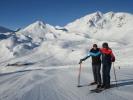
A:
95, 46
105, 45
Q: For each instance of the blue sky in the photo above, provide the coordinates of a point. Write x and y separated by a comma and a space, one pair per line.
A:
20, 13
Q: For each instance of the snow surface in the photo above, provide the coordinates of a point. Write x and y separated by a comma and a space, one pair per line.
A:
40, 62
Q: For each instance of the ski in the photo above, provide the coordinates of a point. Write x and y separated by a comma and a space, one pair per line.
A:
96, 90
85, 85
100, 89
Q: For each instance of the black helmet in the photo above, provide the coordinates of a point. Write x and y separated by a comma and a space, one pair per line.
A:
95, 45
105, 45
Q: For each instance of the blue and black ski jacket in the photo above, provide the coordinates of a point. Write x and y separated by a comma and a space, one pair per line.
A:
95, 55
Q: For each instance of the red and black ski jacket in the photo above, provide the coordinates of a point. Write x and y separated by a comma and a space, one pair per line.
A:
107, 56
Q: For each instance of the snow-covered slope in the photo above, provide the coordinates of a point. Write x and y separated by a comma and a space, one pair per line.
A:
40, 62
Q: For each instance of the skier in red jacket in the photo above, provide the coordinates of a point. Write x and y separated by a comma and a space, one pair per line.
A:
107, 59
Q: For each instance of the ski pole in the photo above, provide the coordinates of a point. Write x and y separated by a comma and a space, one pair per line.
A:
79, 76
115, 75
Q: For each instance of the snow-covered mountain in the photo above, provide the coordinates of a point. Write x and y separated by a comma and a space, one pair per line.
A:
37, 31
97, 27
109, 26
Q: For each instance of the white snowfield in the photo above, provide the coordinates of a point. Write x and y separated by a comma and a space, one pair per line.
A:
40, 62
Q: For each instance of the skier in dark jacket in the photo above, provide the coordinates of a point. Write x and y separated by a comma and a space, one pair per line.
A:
96, 64
107, 59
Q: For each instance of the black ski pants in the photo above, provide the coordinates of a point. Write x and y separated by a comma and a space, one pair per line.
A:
106, 73
96, 72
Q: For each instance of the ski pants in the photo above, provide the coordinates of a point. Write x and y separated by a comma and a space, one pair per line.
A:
96, 72
106, 74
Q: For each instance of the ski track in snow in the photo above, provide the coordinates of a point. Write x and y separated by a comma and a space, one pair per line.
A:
61, 84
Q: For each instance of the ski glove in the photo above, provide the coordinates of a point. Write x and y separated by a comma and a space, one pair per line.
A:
80, 61
83, 59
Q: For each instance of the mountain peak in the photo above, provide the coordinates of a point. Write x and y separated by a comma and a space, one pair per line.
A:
97, 13
36, 25
40, 23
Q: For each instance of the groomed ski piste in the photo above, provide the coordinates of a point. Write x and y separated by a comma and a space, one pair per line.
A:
40, 62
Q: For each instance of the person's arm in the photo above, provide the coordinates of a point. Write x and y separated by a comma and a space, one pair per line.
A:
91, 54
83, 59
95, 54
